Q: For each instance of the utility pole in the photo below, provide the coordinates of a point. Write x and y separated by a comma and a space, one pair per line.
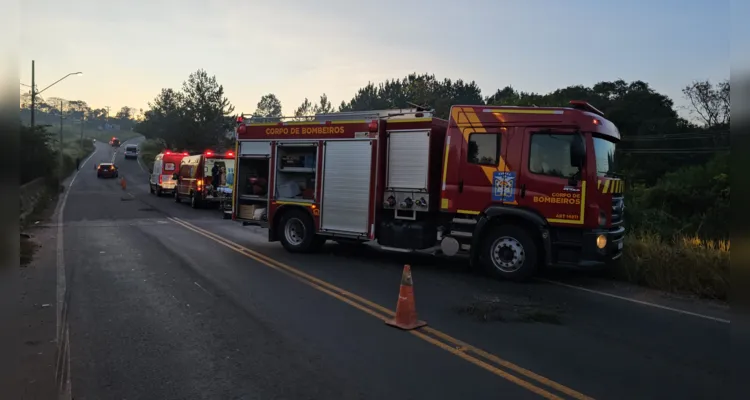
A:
33, 94
61, 143
83, 116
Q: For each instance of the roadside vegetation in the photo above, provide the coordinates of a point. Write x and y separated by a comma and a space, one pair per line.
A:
148, 149
676, 170
41, 151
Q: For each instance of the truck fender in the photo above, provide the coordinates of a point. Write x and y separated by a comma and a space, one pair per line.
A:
498, 212
272, 233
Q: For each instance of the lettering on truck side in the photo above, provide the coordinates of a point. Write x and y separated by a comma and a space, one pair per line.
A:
559, 198
306, 130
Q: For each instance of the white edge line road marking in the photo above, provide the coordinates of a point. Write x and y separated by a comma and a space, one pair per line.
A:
63, 340
645, 303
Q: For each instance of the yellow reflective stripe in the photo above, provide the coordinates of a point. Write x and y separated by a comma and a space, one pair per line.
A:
470, 212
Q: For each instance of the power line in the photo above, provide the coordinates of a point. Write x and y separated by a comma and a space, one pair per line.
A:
676, 136
676, 151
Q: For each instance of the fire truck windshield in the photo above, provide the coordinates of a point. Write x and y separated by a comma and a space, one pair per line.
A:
604, 150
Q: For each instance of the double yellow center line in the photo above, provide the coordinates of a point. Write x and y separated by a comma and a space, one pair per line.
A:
502, 368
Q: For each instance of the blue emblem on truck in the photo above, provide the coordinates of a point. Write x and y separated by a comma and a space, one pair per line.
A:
504, 186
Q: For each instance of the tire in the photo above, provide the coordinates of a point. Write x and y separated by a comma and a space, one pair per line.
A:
194, 202
509, 252
297, 232
150, 188
158, 191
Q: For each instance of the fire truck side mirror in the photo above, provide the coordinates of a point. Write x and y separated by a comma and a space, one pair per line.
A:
577, 151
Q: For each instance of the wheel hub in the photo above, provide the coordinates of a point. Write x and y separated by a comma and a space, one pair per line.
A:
508, 254
294, 231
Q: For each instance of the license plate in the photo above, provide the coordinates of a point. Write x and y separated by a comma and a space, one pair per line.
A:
619, 246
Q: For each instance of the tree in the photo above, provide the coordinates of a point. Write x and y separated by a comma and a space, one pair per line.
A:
40, 160
324, 106
269, 106
424, 90
165, 118
304, 110
710, 103
125, 115
207, 111
195, 118
54, 104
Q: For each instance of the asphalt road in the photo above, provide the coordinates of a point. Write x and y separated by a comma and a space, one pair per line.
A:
167, 302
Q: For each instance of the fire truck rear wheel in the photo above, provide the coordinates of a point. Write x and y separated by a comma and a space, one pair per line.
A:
509, 252
297, 232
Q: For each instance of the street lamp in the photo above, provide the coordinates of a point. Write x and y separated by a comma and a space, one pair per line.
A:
34, 92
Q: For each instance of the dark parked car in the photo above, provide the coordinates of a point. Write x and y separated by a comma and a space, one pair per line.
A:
106, 170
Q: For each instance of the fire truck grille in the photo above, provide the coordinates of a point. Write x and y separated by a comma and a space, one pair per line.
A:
618, 210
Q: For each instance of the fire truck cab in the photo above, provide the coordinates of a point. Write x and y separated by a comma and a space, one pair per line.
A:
514, 188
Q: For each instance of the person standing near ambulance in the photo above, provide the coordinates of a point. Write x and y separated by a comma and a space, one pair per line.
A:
215, 176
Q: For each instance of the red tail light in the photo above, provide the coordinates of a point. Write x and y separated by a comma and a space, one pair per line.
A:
160, 179
168, 152
209, 153
230, 154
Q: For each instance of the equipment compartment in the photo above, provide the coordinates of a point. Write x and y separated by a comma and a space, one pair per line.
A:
347, 186
296, 171
252, 188
408, 160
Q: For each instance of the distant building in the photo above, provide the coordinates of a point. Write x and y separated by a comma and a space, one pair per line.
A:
109, 127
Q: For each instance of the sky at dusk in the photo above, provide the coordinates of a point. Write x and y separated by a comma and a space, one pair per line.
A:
129, 50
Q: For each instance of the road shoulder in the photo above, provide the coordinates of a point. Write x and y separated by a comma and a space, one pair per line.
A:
31, 344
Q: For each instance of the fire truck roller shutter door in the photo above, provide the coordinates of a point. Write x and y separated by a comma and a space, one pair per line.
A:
346, 186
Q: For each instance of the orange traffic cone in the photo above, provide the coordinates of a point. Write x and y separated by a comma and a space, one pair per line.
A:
406, 310
123, 184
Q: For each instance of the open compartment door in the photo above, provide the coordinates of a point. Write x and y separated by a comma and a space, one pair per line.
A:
347, 169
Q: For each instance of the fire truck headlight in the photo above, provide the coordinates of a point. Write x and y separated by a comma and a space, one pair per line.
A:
601, 241
602, 218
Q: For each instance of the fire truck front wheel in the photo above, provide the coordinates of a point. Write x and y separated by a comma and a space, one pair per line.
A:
509, 252
298, 232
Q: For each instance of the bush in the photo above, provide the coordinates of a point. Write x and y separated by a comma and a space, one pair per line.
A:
148, 151
38, 156
692, 201
679, 265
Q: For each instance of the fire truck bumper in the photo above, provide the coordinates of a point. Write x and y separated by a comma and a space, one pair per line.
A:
600, 247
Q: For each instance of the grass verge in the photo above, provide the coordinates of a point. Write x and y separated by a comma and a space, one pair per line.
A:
148, 151
680, 265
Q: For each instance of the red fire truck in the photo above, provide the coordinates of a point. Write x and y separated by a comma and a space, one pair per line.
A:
515, 188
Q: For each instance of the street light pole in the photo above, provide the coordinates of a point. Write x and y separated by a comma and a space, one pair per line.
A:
35, 92
61, 142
